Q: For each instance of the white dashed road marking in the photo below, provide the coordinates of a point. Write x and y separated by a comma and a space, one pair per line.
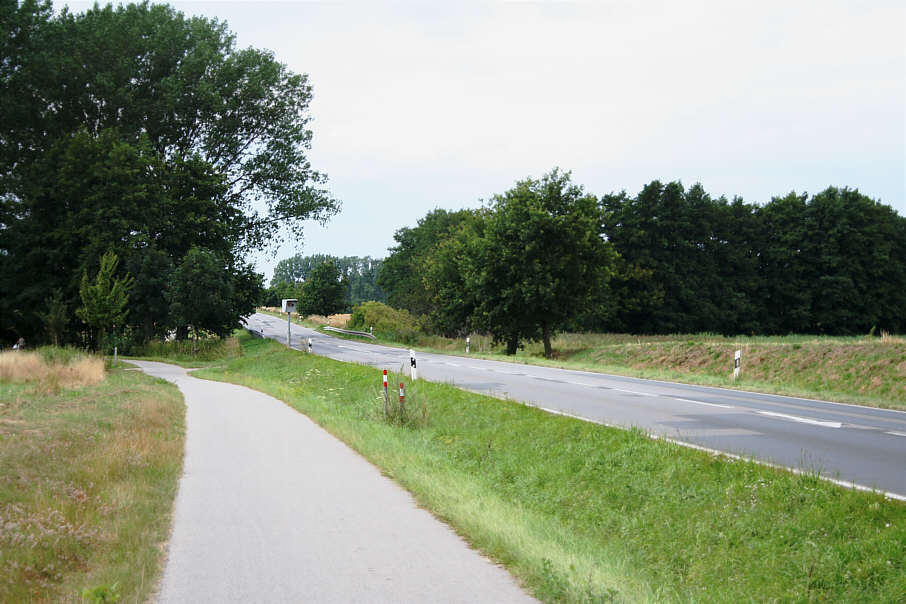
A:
803, 420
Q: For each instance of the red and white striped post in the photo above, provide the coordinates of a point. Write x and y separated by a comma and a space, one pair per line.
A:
402, 400
386, 394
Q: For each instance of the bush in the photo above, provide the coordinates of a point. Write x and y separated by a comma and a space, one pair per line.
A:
388, 323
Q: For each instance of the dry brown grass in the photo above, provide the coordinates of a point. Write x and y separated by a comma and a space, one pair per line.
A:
338, 320
87, 487
50, 377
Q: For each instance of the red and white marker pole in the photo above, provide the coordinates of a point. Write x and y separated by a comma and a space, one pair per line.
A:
386, 395
402, 398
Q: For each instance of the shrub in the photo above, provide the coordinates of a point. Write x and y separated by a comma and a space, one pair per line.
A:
388, 323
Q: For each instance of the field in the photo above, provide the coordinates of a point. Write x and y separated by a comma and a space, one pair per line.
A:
585, 513
89, 462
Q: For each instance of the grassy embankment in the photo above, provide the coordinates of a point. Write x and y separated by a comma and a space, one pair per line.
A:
581, 512
89, 464
861, 370
189, 353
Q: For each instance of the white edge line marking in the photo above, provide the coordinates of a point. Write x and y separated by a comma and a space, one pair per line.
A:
689, 400
896, 433
842, 483
803, 420
634, 392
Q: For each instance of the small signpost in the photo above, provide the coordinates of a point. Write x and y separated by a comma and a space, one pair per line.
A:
736, 359
289, 307
413, 371
402, 400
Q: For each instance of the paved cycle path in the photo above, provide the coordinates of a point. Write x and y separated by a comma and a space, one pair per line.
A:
272, 508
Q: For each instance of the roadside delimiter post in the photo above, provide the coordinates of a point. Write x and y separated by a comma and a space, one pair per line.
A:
736, 359
386, 394
413, 370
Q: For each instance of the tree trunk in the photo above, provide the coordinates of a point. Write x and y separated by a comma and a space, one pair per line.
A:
546, 335
511, 345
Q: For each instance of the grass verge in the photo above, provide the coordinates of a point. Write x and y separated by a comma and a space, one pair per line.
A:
867, 371
585, 513
88, 474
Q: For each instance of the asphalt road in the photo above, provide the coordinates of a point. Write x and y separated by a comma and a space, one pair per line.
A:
848, 443
272, 508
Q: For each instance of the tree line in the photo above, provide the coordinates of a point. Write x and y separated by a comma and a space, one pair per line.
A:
325, 284
546, 256
138, 132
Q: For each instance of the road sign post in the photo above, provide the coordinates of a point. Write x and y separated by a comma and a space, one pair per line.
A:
289, 307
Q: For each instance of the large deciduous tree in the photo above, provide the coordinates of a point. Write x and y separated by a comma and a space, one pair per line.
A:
324, 293
542, 258
137, 129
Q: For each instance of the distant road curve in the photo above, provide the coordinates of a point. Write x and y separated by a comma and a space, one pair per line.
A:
848, 443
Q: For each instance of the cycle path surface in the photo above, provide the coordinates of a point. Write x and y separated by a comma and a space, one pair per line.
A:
272, 508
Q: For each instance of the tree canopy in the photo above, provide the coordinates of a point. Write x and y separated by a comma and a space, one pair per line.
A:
545, 256
137, 129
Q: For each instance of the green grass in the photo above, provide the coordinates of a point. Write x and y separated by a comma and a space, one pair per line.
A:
585, 513
861, 370
189, 353
87, 481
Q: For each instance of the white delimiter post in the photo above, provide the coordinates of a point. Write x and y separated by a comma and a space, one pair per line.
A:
289, 333
468, 341
413, 370
736, 359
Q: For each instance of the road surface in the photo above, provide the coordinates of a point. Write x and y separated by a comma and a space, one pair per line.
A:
271, 508
849, 443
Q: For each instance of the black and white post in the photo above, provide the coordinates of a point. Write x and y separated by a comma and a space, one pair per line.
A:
736, 360
468, 341
309, 346
412, 368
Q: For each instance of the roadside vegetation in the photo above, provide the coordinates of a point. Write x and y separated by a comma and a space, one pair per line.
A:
189, 353
585, 513
89, 463
866, 370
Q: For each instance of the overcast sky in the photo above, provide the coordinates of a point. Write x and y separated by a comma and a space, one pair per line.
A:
421, 105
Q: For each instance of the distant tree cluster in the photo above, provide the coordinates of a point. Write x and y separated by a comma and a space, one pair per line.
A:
137, 131
545, 256
295, 277
832, 263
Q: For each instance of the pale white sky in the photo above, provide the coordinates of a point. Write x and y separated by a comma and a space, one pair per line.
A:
441, 104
